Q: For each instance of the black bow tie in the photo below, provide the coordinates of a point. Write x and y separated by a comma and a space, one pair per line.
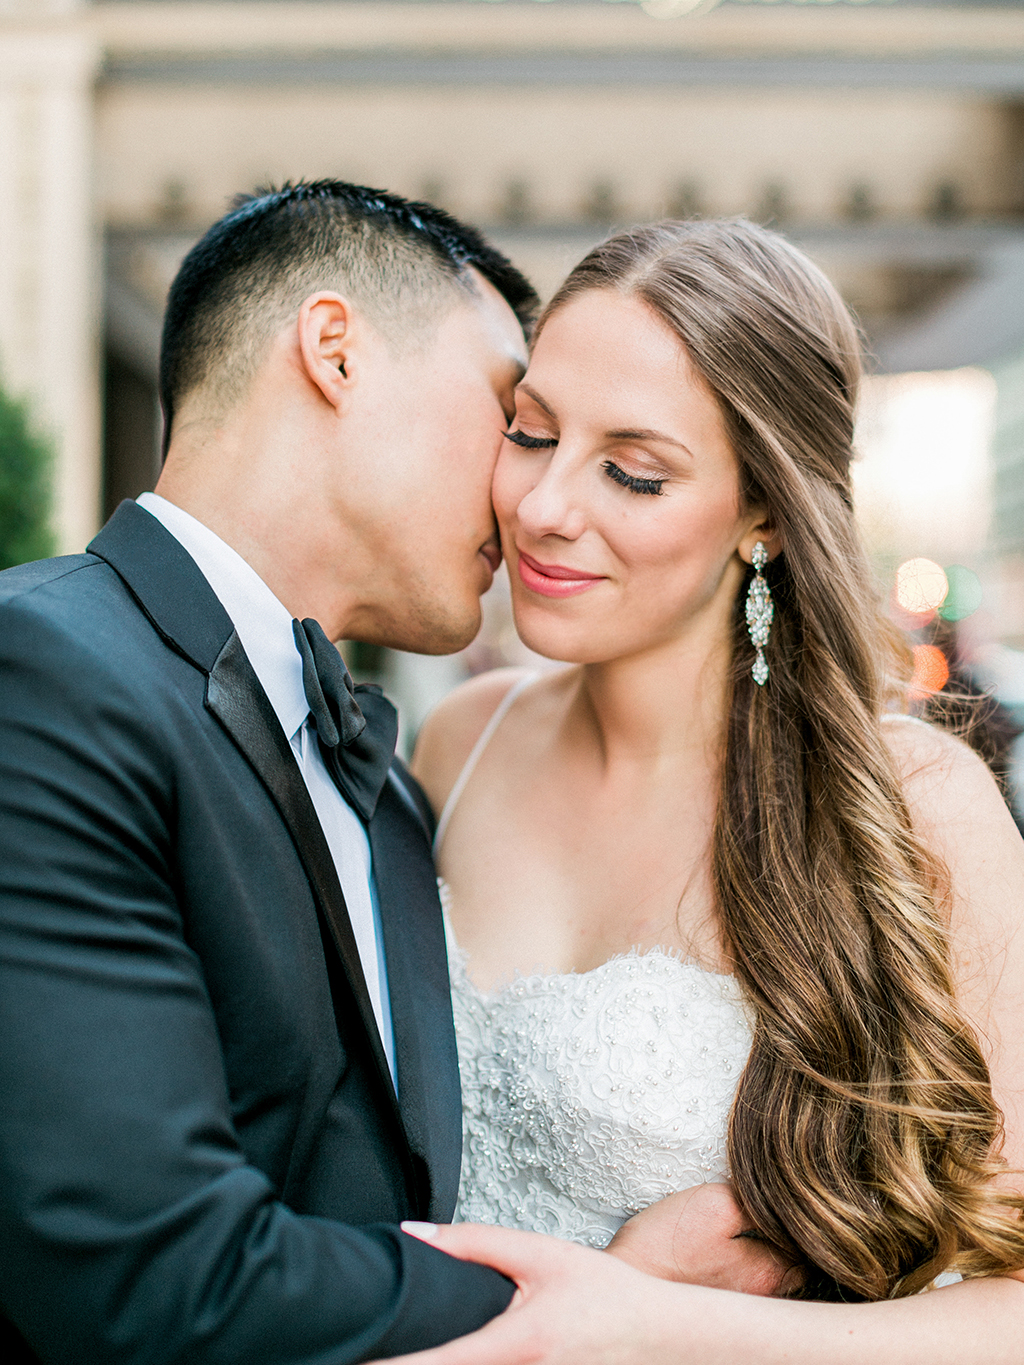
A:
357, 740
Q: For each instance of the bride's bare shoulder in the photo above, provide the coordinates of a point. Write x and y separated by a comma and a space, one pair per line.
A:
935, 766
959, 813
448, 734
946, 784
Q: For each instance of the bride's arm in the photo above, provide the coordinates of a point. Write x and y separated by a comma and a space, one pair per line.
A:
702, 1236
576, 1307
959, 815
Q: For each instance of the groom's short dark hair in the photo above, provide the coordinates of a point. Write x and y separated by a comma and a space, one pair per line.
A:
249, 273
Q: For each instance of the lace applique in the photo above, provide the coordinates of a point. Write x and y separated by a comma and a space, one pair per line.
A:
588, 1096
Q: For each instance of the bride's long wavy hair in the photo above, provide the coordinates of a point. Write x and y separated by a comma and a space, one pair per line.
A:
864, 1137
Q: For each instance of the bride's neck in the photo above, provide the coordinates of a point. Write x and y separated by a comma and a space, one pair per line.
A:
660, 709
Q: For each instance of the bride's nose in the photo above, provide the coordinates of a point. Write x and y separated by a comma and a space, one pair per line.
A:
553, 506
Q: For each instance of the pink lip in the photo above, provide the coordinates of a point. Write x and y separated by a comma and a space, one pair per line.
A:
554, 580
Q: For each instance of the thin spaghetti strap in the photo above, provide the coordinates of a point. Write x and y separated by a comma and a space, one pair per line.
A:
474, 757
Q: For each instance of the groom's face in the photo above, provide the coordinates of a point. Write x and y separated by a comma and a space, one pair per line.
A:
437, 424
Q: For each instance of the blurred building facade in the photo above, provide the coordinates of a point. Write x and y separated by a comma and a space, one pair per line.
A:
887, 136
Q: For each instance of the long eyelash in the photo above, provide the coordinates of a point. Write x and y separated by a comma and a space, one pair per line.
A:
520, 438
630, 481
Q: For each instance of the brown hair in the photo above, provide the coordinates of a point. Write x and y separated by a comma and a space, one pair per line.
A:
863, 1137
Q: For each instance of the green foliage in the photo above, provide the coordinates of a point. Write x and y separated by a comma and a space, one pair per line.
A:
25, 462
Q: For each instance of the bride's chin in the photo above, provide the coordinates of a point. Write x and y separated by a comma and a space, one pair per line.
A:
551, 639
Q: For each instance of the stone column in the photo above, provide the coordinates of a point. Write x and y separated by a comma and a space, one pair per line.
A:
49, 244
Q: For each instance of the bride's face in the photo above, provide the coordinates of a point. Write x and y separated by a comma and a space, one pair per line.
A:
617, 490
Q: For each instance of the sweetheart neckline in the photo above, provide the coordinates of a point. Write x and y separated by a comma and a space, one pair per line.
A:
726, 981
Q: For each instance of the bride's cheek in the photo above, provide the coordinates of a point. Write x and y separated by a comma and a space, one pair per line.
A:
511, 484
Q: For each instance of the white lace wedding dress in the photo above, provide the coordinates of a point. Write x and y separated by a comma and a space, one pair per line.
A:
588, 1096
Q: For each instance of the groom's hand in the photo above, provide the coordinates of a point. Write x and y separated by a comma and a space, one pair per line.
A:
702, 1236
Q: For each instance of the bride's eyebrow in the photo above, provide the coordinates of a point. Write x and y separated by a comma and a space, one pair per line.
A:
625, 434
646, 435
532, 393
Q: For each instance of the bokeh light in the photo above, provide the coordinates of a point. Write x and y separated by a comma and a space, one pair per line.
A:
931, 671
921, 586
964, 594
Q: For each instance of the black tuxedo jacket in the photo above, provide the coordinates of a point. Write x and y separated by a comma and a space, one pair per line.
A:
202, 1158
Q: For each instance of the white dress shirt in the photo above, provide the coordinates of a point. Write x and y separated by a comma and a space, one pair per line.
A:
264, 627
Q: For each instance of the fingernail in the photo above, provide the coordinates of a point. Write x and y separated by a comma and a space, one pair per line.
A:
426, 1232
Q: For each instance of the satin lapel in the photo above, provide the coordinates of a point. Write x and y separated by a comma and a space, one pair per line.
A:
235, 697
421, 1007
172, 592
166, 582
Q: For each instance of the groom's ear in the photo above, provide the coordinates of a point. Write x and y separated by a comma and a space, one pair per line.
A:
327, 335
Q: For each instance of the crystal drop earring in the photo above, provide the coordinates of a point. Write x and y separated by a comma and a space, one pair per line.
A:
760, 610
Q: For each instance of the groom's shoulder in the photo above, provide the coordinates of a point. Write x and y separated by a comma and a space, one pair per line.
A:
26, 580
68, 613
70, 594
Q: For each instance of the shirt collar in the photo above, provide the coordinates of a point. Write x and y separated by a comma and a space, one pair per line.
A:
263, 624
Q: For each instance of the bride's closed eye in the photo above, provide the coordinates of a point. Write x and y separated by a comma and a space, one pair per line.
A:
631, 481
520, 438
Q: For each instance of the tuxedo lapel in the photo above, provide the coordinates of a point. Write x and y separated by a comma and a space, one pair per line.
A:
174, 595
235, 697
421, 1009
165, 581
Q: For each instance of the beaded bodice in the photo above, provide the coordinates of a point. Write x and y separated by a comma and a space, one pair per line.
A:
588, 1096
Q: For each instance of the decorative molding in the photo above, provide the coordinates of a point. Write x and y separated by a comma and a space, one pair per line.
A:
994, 76
144, 28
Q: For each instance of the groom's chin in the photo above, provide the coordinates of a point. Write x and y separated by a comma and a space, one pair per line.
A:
435, 633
